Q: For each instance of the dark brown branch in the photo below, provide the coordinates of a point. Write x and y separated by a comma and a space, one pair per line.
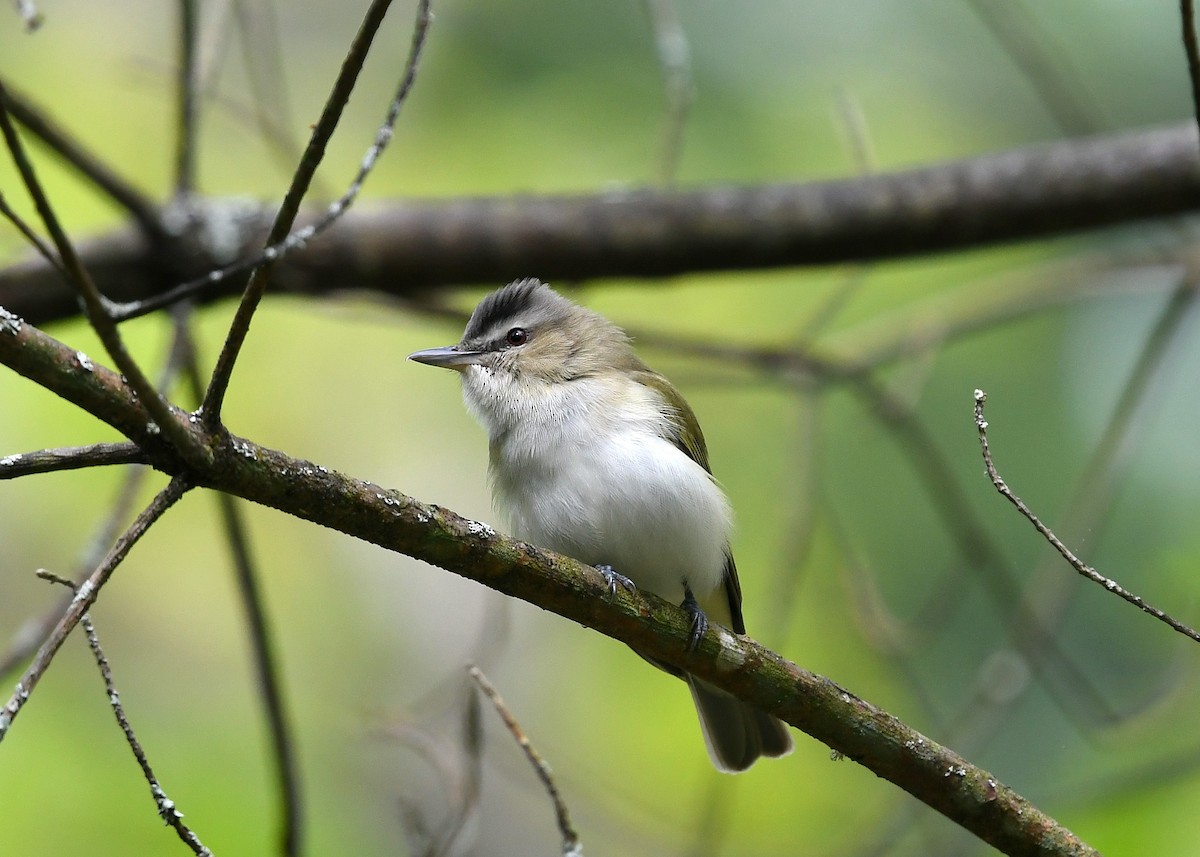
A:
856, 729
400, 249
1048, 534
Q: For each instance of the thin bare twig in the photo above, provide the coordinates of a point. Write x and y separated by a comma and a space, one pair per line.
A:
323, 130
1091, 497
69, 458
167, 810
1048, 534
571, 846
84, 598
1187, 14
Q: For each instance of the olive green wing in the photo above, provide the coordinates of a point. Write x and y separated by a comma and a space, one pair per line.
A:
684, 431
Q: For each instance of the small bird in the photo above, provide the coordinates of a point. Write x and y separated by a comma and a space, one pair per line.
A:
595, 455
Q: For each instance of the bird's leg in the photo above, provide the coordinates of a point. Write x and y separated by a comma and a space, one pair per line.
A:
699, 620
612, 579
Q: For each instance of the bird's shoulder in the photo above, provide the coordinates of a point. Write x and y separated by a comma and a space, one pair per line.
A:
680, 426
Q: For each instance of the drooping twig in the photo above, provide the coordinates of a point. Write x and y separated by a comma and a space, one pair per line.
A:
85, 597
979, 550
323, 130
167, 810
1048, 534
571, 846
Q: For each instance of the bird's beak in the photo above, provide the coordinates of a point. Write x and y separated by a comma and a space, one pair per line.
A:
448, 357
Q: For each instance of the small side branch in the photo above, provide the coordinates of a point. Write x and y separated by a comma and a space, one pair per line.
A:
167, 810
69, 458
571, 846
1076, 563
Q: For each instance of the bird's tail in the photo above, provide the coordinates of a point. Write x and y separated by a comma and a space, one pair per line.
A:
735, 733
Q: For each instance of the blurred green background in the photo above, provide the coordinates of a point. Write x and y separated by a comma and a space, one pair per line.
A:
849, 567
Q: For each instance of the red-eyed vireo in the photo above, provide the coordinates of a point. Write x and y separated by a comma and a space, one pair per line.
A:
595, 455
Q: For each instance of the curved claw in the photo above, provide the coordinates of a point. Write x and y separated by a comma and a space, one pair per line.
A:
699, 620
612, 579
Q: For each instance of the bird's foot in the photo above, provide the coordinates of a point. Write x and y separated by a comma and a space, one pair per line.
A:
612, 579
699, 621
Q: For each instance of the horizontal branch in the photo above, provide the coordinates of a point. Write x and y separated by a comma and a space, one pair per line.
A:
403, 247
853, 727
68, 458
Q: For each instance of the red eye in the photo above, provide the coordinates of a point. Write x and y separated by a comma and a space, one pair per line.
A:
517, 336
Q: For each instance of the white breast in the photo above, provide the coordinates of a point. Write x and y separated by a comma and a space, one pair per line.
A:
582, 468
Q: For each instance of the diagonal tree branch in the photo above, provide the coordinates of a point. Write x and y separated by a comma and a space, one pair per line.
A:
856, 729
